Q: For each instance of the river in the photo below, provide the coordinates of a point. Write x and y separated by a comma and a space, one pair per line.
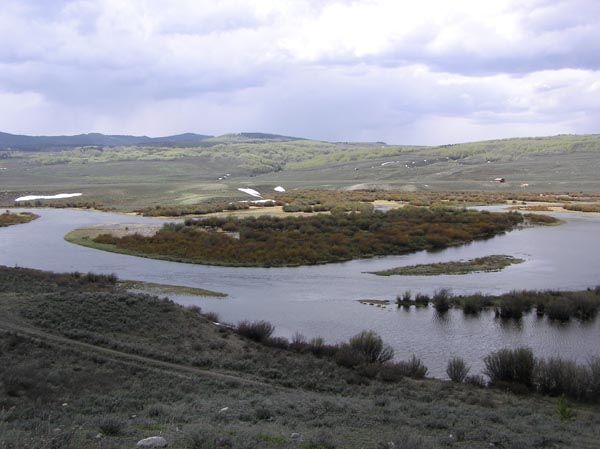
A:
321, 300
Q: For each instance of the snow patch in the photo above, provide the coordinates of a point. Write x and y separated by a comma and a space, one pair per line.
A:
250, 192
279, 189
47, 197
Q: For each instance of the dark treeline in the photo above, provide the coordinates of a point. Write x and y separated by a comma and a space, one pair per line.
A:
270, 241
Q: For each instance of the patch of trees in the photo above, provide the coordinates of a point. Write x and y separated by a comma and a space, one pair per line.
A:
273, 241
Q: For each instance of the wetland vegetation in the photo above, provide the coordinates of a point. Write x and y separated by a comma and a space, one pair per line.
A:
9, 218
479, 264
290, 241
556, 305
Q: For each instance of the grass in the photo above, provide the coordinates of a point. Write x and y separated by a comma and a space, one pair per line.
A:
8, 218
133, 178
480, 264
166, 289
222, 389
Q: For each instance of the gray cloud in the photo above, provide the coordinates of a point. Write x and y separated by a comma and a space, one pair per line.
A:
430, 72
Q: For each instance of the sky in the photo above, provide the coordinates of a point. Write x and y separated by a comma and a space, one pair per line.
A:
405, 72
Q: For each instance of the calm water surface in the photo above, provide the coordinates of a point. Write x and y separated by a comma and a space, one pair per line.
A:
321, 300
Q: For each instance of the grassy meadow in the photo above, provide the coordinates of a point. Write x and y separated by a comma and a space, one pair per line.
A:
128, 178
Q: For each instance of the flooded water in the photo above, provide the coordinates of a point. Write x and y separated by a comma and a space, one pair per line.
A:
321, 300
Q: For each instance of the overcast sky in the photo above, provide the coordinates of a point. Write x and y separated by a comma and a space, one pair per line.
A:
419, 71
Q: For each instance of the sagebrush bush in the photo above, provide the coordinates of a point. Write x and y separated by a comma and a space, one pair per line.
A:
558, 377
258, 331
457, 370
112, 426
371, 347
413, 367
511, 365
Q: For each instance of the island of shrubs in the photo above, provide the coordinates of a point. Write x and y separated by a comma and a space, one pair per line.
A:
8, 218
291, 241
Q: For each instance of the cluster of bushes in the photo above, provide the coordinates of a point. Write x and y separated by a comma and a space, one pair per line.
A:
290, 241
7, 218
64, 204
556, 305
519, 371
365, 353
582, 207
195, 209
459, 198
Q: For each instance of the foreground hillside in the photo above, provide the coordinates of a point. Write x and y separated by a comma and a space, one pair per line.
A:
138, 174
85, 364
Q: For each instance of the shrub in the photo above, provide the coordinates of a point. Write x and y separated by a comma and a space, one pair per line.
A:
441, 300
348, 357
112, 426
457, 370
277, 342
211, 316
298, 342
421, 300
391, 372
471, 306
512, 366
559, 310
563, 377
565, 412
371, 347
477, 380
511, 307
258, 330
413, 367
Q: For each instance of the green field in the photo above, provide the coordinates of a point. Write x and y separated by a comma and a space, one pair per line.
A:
127, 178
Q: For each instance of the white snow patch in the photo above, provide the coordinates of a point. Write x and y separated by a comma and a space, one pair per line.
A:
47, 197
250, 192
279, 189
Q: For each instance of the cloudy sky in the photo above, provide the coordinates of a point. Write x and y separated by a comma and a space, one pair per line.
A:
425, 71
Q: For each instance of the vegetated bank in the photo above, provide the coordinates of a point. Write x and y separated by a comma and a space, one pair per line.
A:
167, 289
477, 265
291, 241
554, 304
84, 363
9, 218
310, 201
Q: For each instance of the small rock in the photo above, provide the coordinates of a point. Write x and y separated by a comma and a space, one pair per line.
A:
295, 436
152, 442
224, 409
98, 436
65, 404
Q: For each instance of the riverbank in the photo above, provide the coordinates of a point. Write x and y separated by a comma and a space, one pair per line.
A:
125, 367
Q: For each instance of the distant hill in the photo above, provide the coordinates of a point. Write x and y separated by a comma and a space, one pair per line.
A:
43, 143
